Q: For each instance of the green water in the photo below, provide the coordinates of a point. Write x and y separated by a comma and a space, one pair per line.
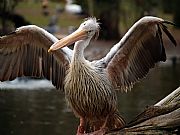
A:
44, 112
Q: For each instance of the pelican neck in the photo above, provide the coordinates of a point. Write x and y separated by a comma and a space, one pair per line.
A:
78, 52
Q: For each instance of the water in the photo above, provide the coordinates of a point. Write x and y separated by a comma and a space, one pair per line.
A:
43, 111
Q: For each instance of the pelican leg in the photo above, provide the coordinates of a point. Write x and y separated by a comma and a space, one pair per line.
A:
102, 130
81, 127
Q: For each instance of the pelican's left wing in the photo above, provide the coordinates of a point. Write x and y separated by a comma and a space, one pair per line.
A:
137, 52
25, 53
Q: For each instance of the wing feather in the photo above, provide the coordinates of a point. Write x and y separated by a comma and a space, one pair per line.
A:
138, 51
24, 53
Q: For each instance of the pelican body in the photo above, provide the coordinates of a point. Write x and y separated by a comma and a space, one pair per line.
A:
88, 89
89, 92
90, 86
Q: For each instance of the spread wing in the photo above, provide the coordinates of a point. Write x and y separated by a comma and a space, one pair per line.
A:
24, 53
137, 52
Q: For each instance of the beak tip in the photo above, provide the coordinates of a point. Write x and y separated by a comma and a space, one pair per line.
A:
49, 50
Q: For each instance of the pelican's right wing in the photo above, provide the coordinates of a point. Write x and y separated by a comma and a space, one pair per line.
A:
25, 53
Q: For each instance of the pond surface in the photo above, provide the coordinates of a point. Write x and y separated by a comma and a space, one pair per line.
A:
44, 111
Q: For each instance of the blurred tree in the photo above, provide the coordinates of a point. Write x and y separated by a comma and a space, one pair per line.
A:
176, 12
10, 19
108, 13
6, 6
146, 7
133, 10
167, 6
87, 6
7, 14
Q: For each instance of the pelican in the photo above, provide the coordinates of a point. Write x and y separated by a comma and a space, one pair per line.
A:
90, 86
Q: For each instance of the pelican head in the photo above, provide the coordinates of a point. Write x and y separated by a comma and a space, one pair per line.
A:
86, 30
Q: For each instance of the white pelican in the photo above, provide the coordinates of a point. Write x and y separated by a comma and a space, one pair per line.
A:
89, 86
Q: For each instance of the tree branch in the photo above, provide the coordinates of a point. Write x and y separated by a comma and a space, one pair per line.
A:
161, 118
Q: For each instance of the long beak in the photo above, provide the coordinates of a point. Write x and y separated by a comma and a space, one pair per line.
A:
79, 34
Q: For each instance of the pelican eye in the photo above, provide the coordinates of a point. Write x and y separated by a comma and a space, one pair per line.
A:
89, 31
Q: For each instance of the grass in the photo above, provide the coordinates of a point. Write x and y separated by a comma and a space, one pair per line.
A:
32, 11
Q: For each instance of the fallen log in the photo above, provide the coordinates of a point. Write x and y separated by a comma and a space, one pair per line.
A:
161, 118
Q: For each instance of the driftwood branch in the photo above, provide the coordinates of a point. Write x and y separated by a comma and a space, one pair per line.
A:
161, 118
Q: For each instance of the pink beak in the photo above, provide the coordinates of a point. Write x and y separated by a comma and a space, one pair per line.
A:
79, 34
